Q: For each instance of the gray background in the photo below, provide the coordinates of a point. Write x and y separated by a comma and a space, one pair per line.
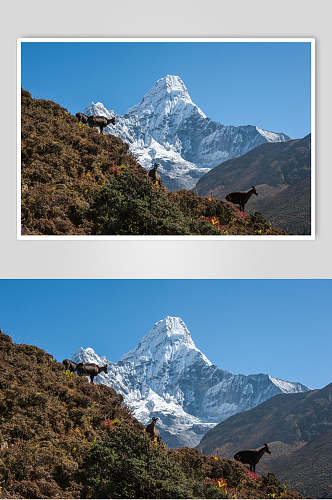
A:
166, 259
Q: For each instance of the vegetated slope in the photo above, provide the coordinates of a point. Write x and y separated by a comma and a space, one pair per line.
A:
62, 437
298, 428
76, 181
281, 173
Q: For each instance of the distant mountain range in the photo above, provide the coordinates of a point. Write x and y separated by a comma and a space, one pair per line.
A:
281, 173
167, 376
169, 128
298, 429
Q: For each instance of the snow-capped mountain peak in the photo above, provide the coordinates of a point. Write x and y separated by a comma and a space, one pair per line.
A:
169, 128
88, 355
167, 376
271, 136
168, 96
98, 109
169, 340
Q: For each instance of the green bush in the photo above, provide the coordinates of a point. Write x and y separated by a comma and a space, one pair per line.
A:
129, 204
127, 464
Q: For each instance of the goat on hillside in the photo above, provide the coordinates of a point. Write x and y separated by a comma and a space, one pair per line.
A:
100, 121
82, 118
241, 197
251, 457
153, 174
152, 430
69, 365
90, 370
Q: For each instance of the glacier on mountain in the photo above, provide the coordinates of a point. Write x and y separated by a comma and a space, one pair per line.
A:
167, 376
168, 128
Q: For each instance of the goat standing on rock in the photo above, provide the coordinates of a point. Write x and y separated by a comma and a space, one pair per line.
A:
251, 457
241, 197
90, 370
152, 430
100, 121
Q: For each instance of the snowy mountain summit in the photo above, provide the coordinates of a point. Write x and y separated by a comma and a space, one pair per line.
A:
167, 376
169, 341
169, 128
169, 96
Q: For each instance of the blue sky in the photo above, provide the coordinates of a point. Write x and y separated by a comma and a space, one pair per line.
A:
264, 84
281, 327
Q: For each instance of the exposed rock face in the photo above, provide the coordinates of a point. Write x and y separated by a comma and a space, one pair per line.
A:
168, 128
167, 376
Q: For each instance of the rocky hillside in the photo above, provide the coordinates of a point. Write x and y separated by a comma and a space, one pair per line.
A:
62, 437
168, 127
76, 181
298, 428
168, 377
281, 173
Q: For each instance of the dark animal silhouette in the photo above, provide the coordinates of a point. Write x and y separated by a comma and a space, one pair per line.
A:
251, 457
241, 197
82, 117
69, 365
90, 370
152, 430
153, 174
100, 121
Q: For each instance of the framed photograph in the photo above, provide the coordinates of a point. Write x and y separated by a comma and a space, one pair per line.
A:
175, 399
166, 138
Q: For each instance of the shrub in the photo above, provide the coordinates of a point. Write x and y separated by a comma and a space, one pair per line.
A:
127, 464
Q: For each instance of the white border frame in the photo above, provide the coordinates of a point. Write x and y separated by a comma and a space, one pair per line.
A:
175, 237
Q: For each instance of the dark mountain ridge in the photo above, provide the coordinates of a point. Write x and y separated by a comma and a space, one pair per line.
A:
298, 428
280, 171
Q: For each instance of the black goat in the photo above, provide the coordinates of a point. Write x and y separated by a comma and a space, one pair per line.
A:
153, 174
90, 370
152, 430
69, 365
241, 197
82, 118
251, 457
100, 121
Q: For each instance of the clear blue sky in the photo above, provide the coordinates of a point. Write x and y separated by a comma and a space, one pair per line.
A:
264, 84
281, 327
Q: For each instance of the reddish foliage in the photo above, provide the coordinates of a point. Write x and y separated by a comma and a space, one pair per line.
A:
107, 423
252, 475
116, 169
243, 215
